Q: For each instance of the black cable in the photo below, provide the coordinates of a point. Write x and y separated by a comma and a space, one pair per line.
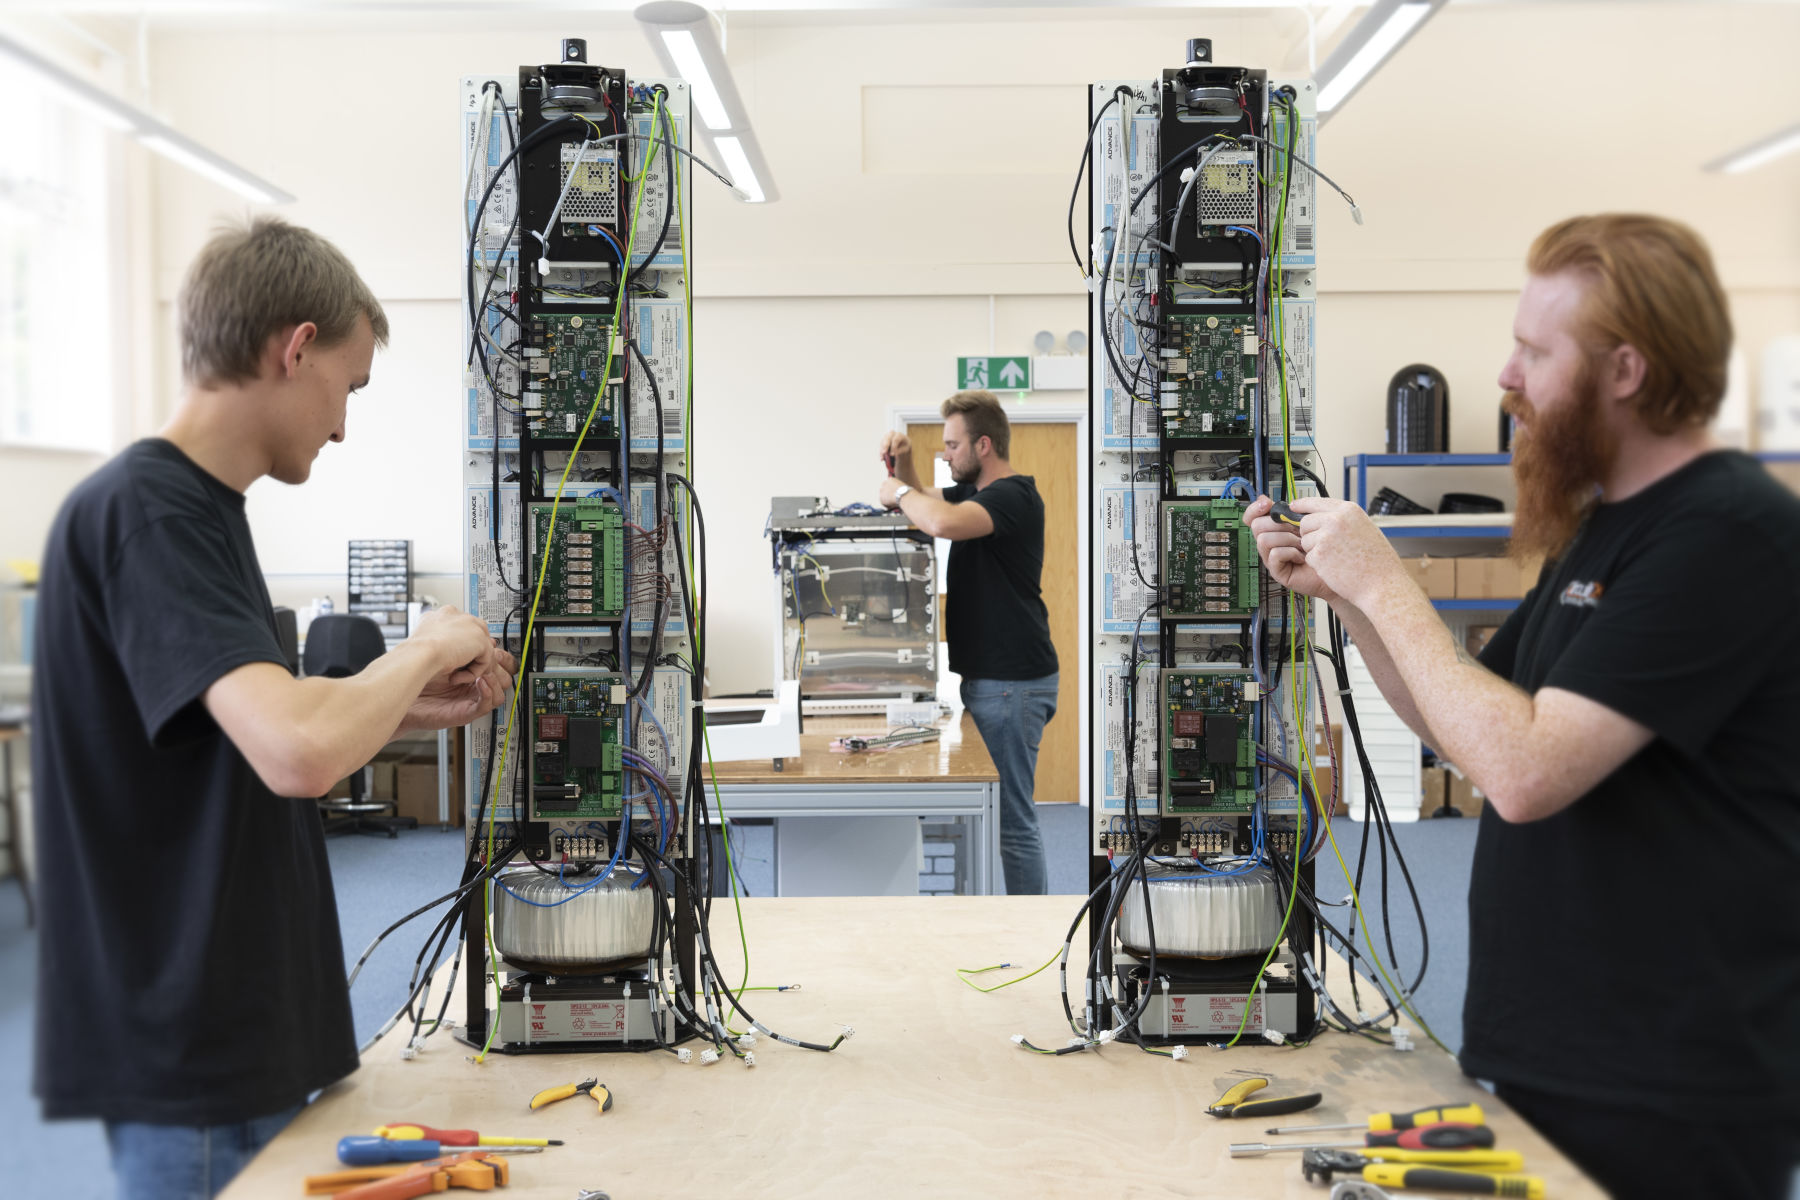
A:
1087, 153
671, 166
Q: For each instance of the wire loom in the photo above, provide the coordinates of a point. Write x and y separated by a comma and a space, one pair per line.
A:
1197, 915
570, 925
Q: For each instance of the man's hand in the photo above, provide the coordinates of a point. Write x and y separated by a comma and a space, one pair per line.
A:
1281, 551
896, 446
444, 703
890, 492
460, 644
1345, 549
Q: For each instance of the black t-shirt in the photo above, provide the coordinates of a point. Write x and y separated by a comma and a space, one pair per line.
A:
190, 966
996, 622
1643, 945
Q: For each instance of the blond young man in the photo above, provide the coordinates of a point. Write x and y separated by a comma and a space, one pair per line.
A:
1634, 958
996, 623
191, 976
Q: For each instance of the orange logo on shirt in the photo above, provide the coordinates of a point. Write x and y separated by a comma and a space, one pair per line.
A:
1582, 595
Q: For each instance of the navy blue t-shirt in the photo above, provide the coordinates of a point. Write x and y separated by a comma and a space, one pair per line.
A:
190, 965
1642, 946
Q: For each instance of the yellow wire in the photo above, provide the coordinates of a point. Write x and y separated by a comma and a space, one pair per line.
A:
963, 973
612, 343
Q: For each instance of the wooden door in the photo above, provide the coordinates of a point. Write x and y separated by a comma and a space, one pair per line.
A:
1045, 451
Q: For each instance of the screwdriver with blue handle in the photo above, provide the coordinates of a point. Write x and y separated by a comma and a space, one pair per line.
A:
374, 1151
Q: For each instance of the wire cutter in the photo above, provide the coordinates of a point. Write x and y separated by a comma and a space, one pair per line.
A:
1234, 1104
591, 1087
476, 1172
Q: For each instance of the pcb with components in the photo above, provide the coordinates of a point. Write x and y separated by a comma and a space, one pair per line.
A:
564, 364
1208, 753
584, 567
576, 762
1209, 375
1209, 564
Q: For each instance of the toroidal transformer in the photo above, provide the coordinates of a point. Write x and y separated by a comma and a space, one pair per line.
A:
576, 924
1198, 914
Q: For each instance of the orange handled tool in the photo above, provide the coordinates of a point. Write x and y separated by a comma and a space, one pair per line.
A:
457, 1137
475, 1172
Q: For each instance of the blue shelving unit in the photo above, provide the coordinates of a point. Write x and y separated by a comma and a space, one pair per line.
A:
1779, 456
1474, 605
1447, 531
1357, 466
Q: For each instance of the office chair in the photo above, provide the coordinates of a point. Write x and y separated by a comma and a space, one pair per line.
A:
340, 645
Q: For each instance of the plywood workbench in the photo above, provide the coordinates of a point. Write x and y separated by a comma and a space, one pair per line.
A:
929, 1099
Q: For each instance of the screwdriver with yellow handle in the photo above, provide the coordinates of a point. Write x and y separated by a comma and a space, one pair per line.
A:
590, 1087
458, 1137
1383, 1122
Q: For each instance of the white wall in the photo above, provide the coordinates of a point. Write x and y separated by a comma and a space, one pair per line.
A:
854, 292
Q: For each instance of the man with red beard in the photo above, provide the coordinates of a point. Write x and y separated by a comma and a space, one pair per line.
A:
1634, 954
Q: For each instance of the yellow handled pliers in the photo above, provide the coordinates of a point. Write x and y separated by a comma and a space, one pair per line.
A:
591, 1087
1235, 1101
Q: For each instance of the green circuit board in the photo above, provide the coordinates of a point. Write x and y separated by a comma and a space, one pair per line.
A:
1209, 383
576, 764
1209, 563
564, 361
584, 579
1208, 753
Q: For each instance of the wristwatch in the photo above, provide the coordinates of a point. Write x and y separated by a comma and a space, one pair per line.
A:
900, 493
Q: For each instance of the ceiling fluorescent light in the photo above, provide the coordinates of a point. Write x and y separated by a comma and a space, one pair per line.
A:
685, 39
690, 67
1367, 45
202, 161
737, 165
109, 110
1756, 154
152, 134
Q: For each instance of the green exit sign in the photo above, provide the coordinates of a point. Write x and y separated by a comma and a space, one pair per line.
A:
994, 373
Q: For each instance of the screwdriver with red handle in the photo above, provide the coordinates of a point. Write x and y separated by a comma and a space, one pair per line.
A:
1446, 1136
456, 1137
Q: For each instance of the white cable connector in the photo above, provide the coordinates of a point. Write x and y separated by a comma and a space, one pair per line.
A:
849, 1032
749, 1059
1017, 1039
1078, 1041
1274, 1037
684, 1055
412, 1052
746, 1040
1402, 1039
1107, 1036
1178, 1053
708, 1057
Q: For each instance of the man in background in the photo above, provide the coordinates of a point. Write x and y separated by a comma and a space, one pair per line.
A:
1634, 962
996, 622
191, 976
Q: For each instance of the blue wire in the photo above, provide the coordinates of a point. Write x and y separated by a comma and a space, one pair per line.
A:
1250, 491
618, 851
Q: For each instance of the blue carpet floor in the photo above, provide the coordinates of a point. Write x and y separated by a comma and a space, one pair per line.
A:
378, 880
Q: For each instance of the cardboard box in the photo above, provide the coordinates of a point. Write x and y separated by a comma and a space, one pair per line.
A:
1476, 638
1465, 797
416, 789
1433, 790
1529, 570
1436, 575
1487, 579
1327, 759
386, 779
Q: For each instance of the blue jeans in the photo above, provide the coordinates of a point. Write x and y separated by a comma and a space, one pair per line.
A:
1011, 714
186, 1162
